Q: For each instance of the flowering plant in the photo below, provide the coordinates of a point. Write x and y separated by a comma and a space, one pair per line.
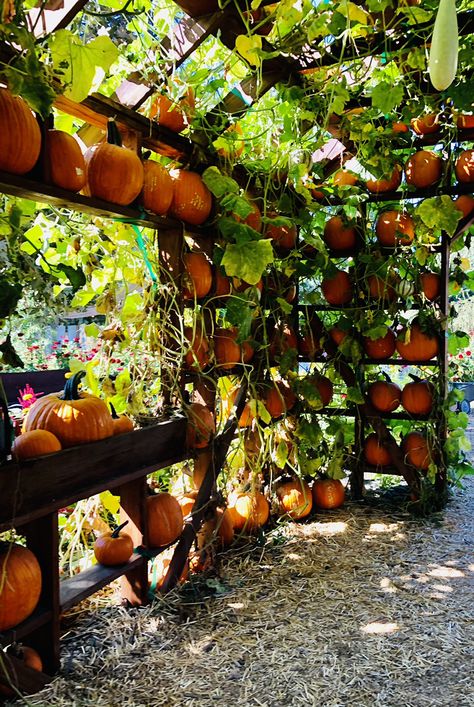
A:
461, 366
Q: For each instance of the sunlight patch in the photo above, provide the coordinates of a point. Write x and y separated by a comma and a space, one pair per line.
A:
446, 572
332, 528
383, 527
380, 627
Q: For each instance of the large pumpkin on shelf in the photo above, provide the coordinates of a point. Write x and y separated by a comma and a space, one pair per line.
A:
164, 519
385, 396
416, 345
375, 452
294, 498
430, 285
20, 584
20, 136
73, 417
339, 236
328, 493
35, 443
197, 276
426, 124
380, 186
337, 289
417, 450
65, 161
114, 173
464, 167
192, 200
201, 426
382, 347
157, 192
417, 397
227, 351
248, 511
424, 169
394, 228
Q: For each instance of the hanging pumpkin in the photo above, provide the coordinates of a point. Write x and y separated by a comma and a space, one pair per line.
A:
339, 236
20, 135
283, 237
65, 161
164, 519
114, 173
20, 584
380, 186
415, 345
201, 426
383, 288
424, 169
417, 397
328, 493
385, 396
122, 423
248, 511
465, 204
337, 335
192, 200
197, 355
114, 547
381, 348
281, 339
394, 228
464, 167
35, 443
73, 417
443, 58
227, 351
223, 285
337, 289
279, 399
375, 452
426, 124
294, 498
174, 115
197, 276
309, 343
430, 285
323, 385
417, 450
343, 178
157, 192
254, 219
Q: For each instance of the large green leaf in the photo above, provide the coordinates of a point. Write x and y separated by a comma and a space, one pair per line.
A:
439, 212
248, 260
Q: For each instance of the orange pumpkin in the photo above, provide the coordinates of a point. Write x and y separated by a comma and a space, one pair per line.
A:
375, 452
394, 228
217, 528
382, 288
417, 397
385, 396
328, 493
20, 585
223, 285
338, 235
418, 345
66, 164
174, 115
343, 178
309, 343
20, 136
197, 276
201, 464
294, 498
187, 501
114, 547
35, 443
380, 186
29, 657
227, 351
430, 285
323, 385
122, 423
464, 121
114, 173
73, 417
426, 124
381, 348
279, 398
201, 426
248, 511
281, 340
160, 570
465, 204
157, 192
424, 169
337, 335
254, 219
417, 450
164, 519
464, 167
337, 289
192, 200
197, 355
283, 237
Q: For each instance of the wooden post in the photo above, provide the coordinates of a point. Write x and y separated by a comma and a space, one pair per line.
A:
133, 497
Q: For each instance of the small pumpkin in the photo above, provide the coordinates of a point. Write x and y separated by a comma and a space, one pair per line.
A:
381, 348
35, 443
339, 236
394, 228
114, 173
465, 204
430, 285
417, 450
122, 423
197, 355
426, 124
375, 452
337, 289
281, 339
187, 501
114, 547
164, 519
385, 396
157, 192
382, 288
328, 493
73, 417
227, 351
294, 498
197, 276
464, 167
174, 115
417, 397
381, 186
218, 528
416, 345
65, 161
344, 178
20, 135
29, 657
160, 569
254, 219
337, 335
323, 386
222, 285
20, 584
465, 121
201, 426
192, 200
309, 344
424, 169
279, 399
283, 237
248, 511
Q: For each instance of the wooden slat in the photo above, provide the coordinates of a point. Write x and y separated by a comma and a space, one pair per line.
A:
38, 618
47, 21
41, 382
35, 487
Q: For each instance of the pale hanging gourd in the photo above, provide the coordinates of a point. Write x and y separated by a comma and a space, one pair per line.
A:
443, 61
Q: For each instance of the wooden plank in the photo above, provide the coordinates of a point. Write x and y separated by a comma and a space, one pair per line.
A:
37, 486
41, 381
20, 677
38, 618
133, 507
82, 585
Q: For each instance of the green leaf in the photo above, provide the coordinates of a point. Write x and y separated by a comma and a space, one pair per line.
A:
281, 454
110, 502
91, 330
248, 261
132, 307
75, 276
355, 395
439, 212
219, 184
249, 48
387, 97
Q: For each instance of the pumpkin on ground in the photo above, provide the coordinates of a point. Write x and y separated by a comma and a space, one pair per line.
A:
20, 136
114, 547
65, 161
385, 396
417, 397
192, 200
375, 452
114, 173
20, 584
160, 568
417, 450
248, 511
157, 192
218, 529
164, 519
73, 417
328, 493
35, 443
294, 498
201, 426
416, 345
29, 657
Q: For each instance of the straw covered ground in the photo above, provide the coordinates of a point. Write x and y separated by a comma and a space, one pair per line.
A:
364, 606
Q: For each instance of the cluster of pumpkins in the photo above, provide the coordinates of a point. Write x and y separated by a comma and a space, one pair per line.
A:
106, 171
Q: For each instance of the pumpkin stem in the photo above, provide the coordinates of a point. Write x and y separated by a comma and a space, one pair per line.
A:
113, 412
117, 530
146, 155
415, 378
70, 389
386, 376
113, 134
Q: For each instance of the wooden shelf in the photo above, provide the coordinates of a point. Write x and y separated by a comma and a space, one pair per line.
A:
38, 618
396, 362
405, 195
389, 469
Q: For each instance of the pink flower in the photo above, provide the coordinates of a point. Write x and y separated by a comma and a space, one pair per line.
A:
28, 396
460, 356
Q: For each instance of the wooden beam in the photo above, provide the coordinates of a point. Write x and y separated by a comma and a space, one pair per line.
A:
43, 21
